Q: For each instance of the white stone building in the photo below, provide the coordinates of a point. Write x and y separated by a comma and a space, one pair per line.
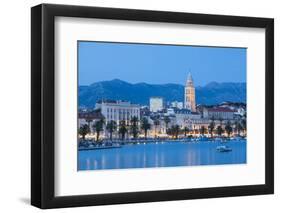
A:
89, 118
177, 104
218, 113
118, 110
156, 104
186, 118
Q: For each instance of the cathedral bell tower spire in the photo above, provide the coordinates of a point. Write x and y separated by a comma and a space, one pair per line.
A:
189, 94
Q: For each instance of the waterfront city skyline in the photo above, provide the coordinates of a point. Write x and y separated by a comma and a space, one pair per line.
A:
160, 112
159, 64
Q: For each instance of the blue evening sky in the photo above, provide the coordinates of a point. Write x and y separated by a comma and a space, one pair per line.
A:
159, 64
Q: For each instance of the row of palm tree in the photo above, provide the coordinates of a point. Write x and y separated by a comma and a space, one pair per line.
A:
175, 131
111, 127
229, 128
134, 128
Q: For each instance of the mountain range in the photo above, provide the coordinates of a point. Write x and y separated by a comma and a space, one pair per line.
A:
212, 93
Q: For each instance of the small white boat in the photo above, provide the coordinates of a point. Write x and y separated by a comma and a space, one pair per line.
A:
224, 149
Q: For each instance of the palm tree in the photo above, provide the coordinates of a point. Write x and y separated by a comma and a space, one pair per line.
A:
244, 122
123, 129
145, 125
220, 119
98, 127
219, 130
176, 130
134, 126
156, 123
84, 130
111, 127
211, 127
186, 131
89, 120
238, 127
167, 120
196, 131
202, 130
228, 128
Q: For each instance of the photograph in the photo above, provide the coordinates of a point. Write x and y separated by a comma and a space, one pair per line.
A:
136, 105
143, 105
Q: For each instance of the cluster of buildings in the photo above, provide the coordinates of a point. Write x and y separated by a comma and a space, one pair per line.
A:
184, 114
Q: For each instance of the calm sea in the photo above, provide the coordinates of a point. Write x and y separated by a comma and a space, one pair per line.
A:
168, 154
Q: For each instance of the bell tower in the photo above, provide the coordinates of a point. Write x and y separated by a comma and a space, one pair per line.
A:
189, 94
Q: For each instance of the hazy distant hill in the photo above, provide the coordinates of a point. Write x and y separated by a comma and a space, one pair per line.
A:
140, 93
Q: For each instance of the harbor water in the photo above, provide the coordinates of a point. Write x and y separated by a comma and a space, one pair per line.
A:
162, 154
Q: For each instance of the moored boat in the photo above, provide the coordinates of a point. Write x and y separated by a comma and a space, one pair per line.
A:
223, 149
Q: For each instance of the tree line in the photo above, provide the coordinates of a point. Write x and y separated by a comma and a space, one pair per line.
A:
124, 127
229, 128
134, 127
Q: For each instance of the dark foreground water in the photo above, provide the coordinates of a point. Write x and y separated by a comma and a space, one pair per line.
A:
168, 154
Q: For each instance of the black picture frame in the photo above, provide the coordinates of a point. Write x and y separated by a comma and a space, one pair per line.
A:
43, 117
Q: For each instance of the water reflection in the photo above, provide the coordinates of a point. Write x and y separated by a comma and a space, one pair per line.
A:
162, 155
